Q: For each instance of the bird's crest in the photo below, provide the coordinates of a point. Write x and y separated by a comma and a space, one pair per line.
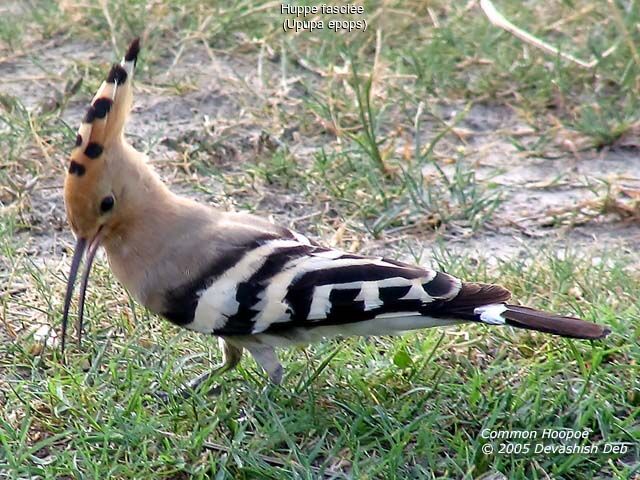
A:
104, 121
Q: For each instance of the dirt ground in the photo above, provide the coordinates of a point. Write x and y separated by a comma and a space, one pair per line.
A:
545, 200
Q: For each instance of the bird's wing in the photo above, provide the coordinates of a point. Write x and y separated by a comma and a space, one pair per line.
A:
268, 280
330, 287
283, 282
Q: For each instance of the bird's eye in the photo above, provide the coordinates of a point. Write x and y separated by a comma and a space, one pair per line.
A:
107, 203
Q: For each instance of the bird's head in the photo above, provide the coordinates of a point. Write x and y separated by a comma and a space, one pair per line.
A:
94, 187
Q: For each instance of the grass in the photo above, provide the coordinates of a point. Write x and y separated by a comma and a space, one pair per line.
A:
375, 141
381, 408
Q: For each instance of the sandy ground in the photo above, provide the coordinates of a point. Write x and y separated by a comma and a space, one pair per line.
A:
224, 107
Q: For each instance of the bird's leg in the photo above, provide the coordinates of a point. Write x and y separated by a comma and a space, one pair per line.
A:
231, 356
265, 356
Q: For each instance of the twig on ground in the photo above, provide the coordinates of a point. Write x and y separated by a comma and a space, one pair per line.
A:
500, 21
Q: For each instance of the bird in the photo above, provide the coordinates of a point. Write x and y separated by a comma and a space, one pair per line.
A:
254, 285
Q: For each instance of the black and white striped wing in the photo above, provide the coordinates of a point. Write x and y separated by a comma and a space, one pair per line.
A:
284, 284
333, 288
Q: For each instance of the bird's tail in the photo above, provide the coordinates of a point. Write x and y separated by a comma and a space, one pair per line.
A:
487, 304
532, 319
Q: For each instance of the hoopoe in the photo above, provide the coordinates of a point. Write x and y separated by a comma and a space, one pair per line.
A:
255, 285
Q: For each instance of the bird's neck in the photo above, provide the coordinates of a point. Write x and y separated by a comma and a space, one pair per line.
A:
145, 222
142, 198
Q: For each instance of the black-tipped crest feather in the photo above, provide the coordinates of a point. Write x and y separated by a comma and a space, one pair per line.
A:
117, 74
133, 51
93, 150
76, 168
101, 107
90, 116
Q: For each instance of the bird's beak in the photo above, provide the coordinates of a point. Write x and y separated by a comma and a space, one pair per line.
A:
81, 246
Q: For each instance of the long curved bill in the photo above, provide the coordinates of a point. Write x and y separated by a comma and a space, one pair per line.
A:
91, 253
73, 273
81, 246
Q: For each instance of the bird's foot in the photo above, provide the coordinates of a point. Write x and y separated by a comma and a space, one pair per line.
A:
192, 387
230, 358
185, 392
266, 357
